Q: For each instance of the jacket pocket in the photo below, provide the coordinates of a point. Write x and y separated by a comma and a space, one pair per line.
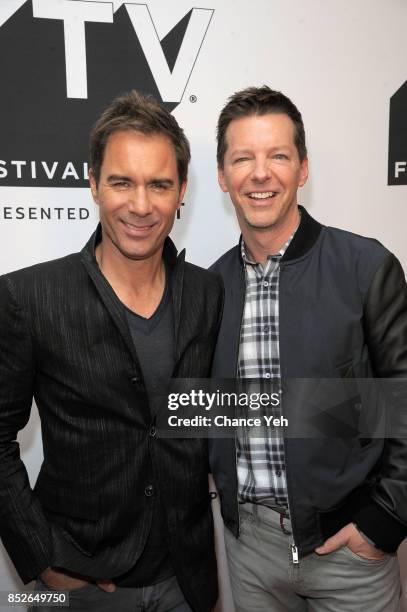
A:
345, 369
351, 406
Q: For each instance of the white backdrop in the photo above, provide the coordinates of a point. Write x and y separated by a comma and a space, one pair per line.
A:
339, 61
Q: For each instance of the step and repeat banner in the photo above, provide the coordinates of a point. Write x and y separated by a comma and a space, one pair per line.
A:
343, 63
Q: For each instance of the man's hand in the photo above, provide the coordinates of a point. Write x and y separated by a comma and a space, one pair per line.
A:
349, 536
57, 579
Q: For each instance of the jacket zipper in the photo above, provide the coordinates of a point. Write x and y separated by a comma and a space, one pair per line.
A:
293, 546
294, 552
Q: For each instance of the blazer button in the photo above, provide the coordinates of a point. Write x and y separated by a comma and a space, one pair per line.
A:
149, 491
135, 380
153, 432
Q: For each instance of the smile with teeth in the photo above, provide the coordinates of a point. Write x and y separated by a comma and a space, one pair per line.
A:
261, 195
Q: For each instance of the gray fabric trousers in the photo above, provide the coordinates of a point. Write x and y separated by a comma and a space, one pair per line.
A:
264, 578
165, 596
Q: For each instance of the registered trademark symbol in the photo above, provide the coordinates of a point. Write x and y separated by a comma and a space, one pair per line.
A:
193, 99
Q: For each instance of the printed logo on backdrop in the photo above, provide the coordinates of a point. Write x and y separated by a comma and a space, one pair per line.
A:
63, 61
397, 172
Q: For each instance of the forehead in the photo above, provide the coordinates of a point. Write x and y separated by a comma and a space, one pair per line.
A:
131, 147
272, 129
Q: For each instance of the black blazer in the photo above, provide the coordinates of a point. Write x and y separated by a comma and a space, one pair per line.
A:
64, 340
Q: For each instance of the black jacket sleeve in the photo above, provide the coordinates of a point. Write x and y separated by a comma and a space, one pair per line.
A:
384, 517
23, 526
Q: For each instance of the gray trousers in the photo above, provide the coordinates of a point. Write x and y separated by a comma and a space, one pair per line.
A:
264, 578
165, 596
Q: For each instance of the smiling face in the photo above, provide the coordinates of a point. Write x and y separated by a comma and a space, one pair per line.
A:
262, 172
138, 194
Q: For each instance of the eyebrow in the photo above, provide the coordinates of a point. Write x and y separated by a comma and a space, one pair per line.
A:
240, 151
248, 150
282, 146
162, 181
117, 177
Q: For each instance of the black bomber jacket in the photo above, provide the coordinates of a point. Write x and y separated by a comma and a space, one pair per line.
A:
342, 312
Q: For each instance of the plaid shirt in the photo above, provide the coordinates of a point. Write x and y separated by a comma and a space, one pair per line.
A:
260, 459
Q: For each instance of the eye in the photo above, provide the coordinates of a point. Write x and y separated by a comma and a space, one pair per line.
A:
120, 185
280, 156
158, 186
239, 160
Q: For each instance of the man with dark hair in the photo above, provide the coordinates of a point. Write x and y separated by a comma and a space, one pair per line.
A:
119, 517
142, 114
312, 523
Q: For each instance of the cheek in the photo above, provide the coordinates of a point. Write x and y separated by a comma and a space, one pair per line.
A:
290, 180
108, 207
236, 182
230, 179
167, 210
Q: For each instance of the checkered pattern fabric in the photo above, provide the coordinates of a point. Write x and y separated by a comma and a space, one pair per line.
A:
260, 454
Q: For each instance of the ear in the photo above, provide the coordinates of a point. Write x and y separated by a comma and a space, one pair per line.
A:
93, 186
303, 172
182, 193
221, 180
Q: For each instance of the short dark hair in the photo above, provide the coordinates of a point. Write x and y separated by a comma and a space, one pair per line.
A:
259, 101
142, 113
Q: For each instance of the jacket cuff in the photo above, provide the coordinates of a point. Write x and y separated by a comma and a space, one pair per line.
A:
379, 526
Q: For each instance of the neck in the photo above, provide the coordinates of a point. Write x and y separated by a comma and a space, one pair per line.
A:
264, 242
139, 284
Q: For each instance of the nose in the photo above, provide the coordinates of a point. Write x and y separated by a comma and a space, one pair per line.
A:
139, 203
261, 170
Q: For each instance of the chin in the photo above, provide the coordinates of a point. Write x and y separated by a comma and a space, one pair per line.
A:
130, 252
260, 224
138, 256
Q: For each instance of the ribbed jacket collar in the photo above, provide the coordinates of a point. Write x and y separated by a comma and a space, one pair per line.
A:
303, 240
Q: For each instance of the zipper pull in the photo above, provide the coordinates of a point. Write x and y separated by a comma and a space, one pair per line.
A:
294, 554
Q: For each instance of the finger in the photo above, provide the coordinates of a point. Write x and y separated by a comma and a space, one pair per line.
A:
106, 585
330, 545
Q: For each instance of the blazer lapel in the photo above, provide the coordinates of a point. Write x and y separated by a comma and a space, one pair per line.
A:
106, 293
177, 291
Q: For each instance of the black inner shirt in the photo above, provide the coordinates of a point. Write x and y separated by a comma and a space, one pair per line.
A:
154, 342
